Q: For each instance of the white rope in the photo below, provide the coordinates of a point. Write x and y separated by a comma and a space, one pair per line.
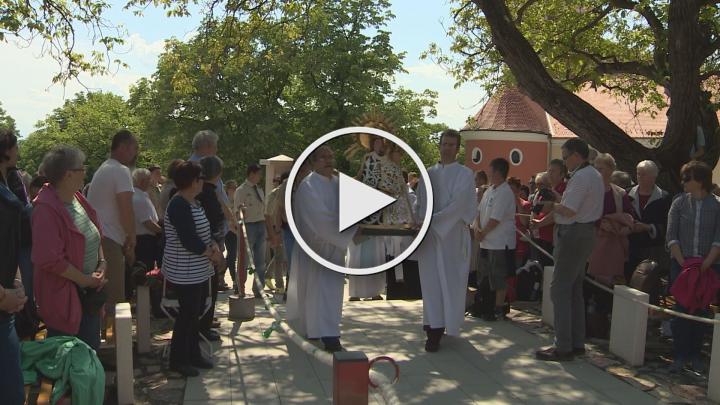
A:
384, 385
709, 321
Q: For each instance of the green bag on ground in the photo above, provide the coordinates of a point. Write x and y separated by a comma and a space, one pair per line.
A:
70, 363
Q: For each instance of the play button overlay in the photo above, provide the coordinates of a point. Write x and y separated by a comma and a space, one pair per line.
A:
358, 201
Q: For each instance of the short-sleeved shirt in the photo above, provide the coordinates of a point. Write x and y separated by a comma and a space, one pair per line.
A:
252, 197
584, 194
498, 203
110, 179
89, 230
144, 211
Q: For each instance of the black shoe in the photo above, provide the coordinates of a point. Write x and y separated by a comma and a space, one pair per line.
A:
552, 354
578, 351
185, 370
211, 335
489, 317
500, 313
332, 348
203, 363
432, 344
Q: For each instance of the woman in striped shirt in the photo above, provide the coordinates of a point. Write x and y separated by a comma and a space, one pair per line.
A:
188, 264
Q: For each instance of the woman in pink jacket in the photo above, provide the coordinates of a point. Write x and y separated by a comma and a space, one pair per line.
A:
68, 258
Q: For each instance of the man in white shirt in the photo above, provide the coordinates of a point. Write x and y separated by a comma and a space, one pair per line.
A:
148, 231
110, 193
250, 198
580, 206
495, 231
444, 255
315, 293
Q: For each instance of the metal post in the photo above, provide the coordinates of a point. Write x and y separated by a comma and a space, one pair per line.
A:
350, 378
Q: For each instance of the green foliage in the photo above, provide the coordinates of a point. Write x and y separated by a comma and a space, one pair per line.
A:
272, 85
6, 121
620, 45
87, 122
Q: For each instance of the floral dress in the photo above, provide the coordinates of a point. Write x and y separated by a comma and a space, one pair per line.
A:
370, 175
393, 183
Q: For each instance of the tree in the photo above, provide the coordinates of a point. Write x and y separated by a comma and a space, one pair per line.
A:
273, 84
6, 121
55, 22
637, 49
88, 122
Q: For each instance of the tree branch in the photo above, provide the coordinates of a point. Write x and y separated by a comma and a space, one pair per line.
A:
656, 25
522, 9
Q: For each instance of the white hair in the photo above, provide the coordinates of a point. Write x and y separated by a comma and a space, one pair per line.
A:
139, 175
203, 139
606, 159
649, 166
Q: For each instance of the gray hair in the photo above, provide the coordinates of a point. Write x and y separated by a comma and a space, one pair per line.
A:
59, 161
140, 175
650, 166
204, 138
540, 176
211, 166
606, 159
621, 179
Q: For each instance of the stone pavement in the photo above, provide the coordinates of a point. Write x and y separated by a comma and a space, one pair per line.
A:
489, 363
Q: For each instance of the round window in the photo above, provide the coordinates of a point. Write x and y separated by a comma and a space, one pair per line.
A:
516, 157
476, 155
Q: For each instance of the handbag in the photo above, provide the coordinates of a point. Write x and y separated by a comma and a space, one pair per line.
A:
91, 300
646, 277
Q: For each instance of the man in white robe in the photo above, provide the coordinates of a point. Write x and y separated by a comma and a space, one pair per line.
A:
444, 255
315, 294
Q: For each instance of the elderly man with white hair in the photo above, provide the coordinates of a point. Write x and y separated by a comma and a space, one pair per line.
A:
147, 249
652, 205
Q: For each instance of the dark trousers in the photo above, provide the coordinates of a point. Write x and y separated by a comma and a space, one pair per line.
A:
89, 331
185, 344
409, 288
11, 378
687, 335
231, 247
147, 250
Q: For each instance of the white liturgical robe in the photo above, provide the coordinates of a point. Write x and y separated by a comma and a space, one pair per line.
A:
444, 255
315, 293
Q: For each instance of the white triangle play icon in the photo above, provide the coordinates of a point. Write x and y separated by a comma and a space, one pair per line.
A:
358, 200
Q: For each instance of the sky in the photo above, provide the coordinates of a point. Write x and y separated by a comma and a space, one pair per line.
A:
28, 94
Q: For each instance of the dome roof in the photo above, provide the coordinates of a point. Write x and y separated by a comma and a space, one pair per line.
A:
510, 110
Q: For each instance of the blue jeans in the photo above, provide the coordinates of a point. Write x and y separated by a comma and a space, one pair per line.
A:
256, 237
687, 335
231, 243
26, 271
89, 331
12, 389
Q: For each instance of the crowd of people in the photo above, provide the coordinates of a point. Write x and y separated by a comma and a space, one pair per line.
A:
69, 248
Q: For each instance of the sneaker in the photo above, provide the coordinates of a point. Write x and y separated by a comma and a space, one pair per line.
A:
376, 298
223, 287
211, 335
203, 363
698, 365
185, 370
552, 354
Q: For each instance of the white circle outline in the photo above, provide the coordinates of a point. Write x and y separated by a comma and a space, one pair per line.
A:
426, 219
519, 153
472, 156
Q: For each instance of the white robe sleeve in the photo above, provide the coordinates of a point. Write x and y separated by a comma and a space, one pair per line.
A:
461, 209
322, 221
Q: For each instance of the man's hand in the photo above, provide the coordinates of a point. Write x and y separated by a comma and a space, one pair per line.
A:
14, 300
479, 235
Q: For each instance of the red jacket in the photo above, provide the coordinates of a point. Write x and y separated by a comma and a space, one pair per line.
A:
693, 289
57, 244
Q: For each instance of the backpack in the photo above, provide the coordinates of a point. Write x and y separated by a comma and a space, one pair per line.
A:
646, 278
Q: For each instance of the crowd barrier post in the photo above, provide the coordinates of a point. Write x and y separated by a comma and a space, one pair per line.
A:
350, 378
714, 374
124, 353
628, 328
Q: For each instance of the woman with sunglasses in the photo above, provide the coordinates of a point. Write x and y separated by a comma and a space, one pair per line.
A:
69, 266
693, 232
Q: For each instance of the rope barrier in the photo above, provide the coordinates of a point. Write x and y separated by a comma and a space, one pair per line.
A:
376, 380
527, 237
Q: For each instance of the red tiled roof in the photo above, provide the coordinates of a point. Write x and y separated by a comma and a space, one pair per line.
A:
510, 110
622, 112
